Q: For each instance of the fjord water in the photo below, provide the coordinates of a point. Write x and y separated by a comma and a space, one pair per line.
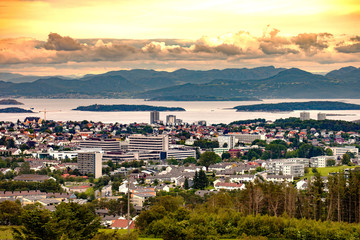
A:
212, 112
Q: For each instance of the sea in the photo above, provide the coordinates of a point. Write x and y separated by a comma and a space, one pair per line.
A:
213, 112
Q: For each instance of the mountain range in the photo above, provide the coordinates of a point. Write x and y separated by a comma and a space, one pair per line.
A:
261, 82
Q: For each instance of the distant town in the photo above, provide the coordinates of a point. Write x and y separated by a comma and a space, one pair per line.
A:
51, 162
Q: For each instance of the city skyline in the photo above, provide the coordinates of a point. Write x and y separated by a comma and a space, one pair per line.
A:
47, 37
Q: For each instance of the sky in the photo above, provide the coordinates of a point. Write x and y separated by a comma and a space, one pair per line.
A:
67, 37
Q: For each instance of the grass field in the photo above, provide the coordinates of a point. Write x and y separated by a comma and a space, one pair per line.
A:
324, 171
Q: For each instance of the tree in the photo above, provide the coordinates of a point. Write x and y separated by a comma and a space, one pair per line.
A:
225, 155
330, 162
37, 224
186, 183
329, 152
25, 168
345, 159
10, 213
208, 158
76, 221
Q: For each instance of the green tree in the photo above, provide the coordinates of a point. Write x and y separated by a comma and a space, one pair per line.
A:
208, 158
186, 183
330, 162
329, 152
76, 221
345, 159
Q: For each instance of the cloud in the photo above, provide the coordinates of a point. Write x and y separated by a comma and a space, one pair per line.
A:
229, 48
312, 42
59, 43
353, 48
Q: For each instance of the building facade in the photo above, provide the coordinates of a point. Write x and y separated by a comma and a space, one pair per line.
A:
90, 162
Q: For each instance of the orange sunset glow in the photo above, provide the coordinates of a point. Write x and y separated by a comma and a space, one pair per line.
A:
49, 37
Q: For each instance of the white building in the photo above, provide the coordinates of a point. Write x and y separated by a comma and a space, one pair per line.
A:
304, 116
229, 140
320, 161
139, 142
106, 145
321, 116
340, 151
247, 138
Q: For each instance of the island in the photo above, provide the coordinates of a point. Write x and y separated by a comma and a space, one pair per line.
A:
15, 110
10, 102
292, 106
202, 98
127, 108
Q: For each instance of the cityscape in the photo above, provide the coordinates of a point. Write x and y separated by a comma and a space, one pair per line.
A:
179, 120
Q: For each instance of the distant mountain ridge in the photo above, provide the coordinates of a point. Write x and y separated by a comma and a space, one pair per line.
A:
261, 82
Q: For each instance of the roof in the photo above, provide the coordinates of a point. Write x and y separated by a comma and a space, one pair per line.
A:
31, 177
122, 223
222, 184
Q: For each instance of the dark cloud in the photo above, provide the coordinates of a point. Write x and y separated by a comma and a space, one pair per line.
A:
270, 48
59, 43
353, 48
312, 42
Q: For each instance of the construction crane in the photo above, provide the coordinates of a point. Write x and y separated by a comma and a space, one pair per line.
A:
46, 111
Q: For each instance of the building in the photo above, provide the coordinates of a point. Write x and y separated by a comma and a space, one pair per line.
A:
304, 116
139, 142
105, 145
321, 116
320, 161
90, 162
284, 167
338, 152
32, 178
170, 119
247, 138
180, 154
229, 140
154, 117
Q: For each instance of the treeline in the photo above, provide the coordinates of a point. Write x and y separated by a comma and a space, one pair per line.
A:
68, 221
329, 125
219, 218
46, 186
325, 210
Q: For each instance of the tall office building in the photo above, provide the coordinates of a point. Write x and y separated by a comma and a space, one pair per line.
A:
148, 143
90, 162
304, 116
170, 119
154, 117
321, 116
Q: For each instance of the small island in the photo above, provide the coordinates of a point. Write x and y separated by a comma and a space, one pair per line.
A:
202, 98
10, 102
292, 106
15, 110
127, 108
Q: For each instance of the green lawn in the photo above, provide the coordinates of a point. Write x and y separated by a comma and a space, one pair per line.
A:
324, 171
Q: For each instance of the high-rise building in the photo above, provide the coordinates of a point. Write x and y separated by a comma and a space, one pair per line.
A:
304, 116
321, 116
90, 162
170, 119
139, 142
154, 117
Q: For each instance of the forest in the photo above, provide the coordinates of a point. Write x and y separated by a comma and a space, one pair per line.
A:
325, 210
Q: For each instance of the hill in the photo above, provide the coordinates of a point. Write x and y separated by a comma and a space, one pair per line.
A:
291, 106
255, 83
126, 108
202, 98
290, 83
15, 110
10, 102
